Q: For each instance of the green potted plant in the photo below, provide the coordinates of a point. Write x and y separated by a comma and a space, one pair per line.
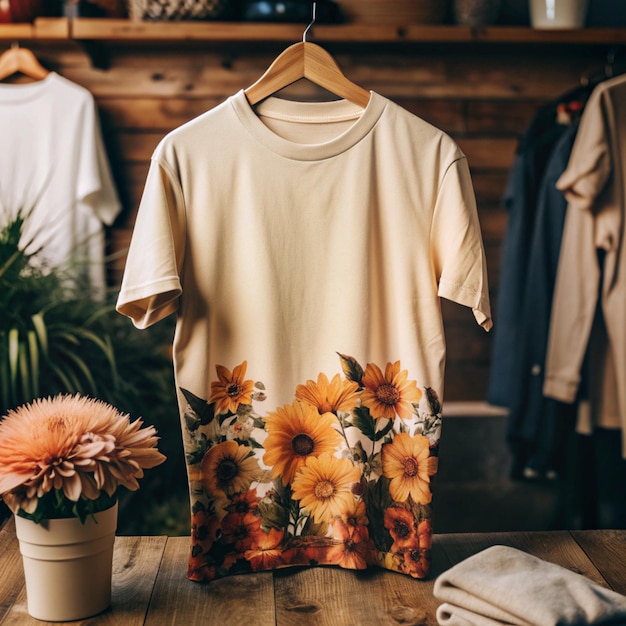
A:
49, 335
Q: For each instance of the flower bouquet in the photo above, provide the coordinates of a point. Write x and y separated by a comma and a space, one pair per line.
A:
62, 460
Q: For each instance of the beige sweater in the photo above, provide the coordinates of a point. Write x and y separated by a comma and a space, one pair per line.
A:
503, 585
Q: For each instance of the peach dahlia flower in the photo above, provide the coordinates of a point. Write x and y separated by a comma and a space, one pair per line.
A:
79, 446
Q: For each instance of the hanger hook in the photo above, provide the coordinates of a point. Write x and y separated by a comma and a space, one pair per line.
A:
306, 30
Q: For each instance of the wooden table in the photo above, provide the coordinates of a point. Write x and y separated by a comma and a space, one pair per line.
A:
149, 585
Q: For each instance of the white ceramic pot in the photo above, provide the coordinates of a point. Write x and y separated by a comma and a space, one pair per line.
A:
558, 13
68, 565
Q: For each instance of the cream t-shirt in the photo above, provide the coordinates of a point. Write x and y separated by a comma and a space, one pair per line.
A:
304, 248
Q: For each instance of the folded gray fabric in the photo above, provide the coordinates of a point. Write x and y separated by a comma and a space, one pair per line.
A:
503, 585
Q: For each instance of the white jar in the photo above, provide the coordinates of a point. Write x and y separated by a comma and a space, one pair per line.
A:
558, 13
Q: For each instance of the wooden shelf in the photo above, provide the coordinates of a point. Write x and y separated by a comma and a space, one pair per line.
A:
101, 29
42, 28
119, 30
16, 31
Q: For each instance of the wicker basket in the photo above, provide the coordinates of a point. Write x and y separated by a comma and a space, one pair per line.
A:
395, 12
180, 9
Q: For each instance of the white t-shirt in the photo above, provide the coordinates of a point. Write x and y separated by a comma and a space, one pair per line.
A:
304, 247
53, 164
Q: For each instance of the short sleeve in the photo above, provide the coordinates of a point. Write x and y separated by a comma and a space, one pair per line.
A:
456, 244
151, 284
95, 186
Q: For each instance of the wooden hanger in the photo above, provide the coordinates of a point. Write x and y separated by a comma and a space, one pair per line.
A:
310, 61
21, 60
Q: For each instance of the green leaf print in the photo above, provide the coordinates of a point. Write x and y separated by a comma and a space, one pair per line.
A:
381, 433
351, 368
200, 407
365, 422
311, 528
273, 515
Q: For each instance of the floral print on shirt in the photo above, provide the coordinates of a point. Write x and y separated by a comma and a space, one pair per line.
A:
340, 476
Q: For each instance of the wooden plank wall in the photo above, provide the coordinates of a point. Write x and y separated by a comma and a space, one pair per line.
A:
484, 95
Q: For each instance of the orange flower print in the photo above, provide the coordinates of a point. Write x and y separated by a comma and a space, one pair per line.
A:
409, 466
297, 432
241, 530
329, 397
392, 393
425, 534
355, 514
231, 390
244, 502
324, 486
352, 545
204, 529
401, 526
228, 468
266, 552
414, 562
197, 568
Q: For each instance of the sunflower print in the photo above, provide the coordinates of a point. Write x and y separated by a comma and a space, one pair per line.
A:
329, 397
340, 475
296, 432
231, 389
228, 468
391, 393
407, 462
324, 486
